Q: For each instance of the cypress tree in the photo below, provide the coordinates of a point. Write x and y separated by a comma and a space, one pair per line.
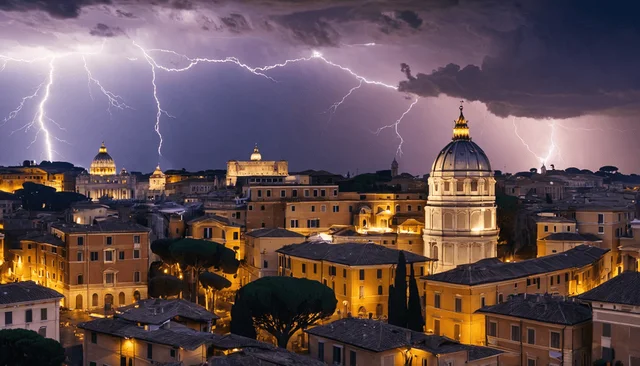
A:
415, 321
398, 302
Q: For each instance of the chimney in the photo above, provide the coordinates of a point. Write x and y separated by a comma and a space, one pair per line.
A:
525, 295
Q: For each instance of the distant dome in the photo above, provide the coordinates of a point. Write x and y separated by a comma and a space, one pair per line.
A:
103, 163
461, 154
157, 173
256, 154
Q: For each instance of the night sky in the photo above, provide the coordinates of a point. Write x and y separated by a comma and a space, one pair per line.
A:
562, 74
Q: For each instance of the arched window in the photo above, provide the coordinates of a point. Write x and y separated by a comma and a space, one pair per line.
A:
136, 295
79, 302
397, 208
434, 252
108, 301
500, 299
364, 223
94, 300
362, 312
378, 310
121, 299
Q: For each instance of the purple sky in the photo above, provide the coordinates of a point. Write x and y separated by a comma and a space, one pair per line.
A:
563, 76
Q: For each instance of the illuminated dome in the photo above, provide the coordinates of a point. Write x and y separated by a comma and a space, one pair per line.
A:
256, 154
461, 155
103, 164
157, 173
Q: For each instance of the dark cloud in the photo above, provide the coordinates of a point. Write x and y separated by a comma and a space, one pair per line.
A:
236, 23
565, 60
56, 8
103, 30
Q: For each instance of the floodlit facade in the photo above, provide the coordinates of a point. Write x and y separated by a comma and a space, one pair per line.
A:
460, 215
261, 256
359, 274
103, 181
274, 171
452, 298
27, 305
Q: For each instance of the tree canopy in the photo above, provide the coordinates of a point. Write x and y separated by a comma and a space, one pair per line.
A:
162, 248
164, 286
398, 294
39, 197
610, 169
26, 347
214, 281
284, 305
241, 320
415, 320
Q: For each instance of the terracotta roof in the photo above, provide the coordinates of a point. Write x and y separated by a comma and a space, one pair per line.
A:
158, 311
542, 308
351, 254
622, 289
108, 226
566, 236
273, 233
212, 217
493, 270
26, 291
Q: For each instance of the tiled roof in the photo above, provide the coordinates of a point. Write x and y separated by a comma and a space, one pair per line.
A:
351, 254
572, 237
26, 291
42, 237
542, 308
555, 219
273, 233
212, 217
108, 226
157, 311
492, 270
376, 336
264, 357
622, 289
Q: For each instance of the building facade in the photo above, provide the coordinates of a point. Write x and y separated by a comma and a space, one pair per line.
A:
157, 183
104, 181
27, 305
460, 214
261, 246
616, 319
256, 167
452, 298
540, 330
359, 274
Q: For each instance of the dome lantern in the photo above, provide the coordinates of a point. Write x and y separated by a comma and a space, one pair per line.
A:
256, 156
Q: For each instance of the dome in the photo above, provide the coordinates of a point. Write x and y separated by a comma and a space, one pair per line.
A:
461, 154
256, 156
157, 173
103, 164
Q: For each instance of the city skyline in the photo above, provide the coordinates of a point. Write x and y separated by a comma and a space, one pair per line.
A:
222, 110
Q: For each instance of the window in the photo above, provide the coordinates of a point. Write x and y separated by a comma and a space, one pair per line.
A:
94, 256
337, 354
336, 208
136, 239
294, 193
315, 223
283, 193
315, 268
474, 186
109, 240
456, 332
136, 276
361, 292
80, 280
323, 193
362, 275
235, 235
43, 314
304, 268
321, 351
344, 272
109, 278
436, 326
136, 254
315, 193
379, 273
28, 316
8, 318
459, 186
515, 333
555, 340
265, 264
262, 208
42, 331
259, 193
121, 255
600, 218
482, 302
344, 289
493, 329
268, 193
436, 301
250, 207
546, 228
323, 208
94, 337
80, 240
80, 257
172, 353
458, 305
566, 277
294, 224
551, 280
313, 208
352, 358
531, 362
606, 330
306, 193
293, 208
108, 256
600, 229
531, 336
150, 351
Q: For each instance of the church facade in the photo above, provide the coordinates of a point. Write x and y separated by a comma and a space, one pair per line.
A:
269, 171
103, 181
460, 215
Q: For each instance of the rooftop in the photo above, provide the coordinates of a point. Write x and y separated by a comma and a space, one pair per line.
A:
376, 336
158, 311
108, 226
556, 219
26, 291
42, 237
566, 236
351, 254
211, 217
493, 270
542, 308
273, 233
622, 289
264, 357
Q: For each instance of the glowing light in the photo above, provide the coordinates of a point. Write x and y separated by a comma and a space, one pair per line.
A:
552, 144
395, 127
113, 99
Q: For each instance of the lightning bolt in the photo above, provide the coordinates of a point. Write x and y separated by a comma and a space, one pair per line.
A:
553, 146
395, 127
334, 106
41, 119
